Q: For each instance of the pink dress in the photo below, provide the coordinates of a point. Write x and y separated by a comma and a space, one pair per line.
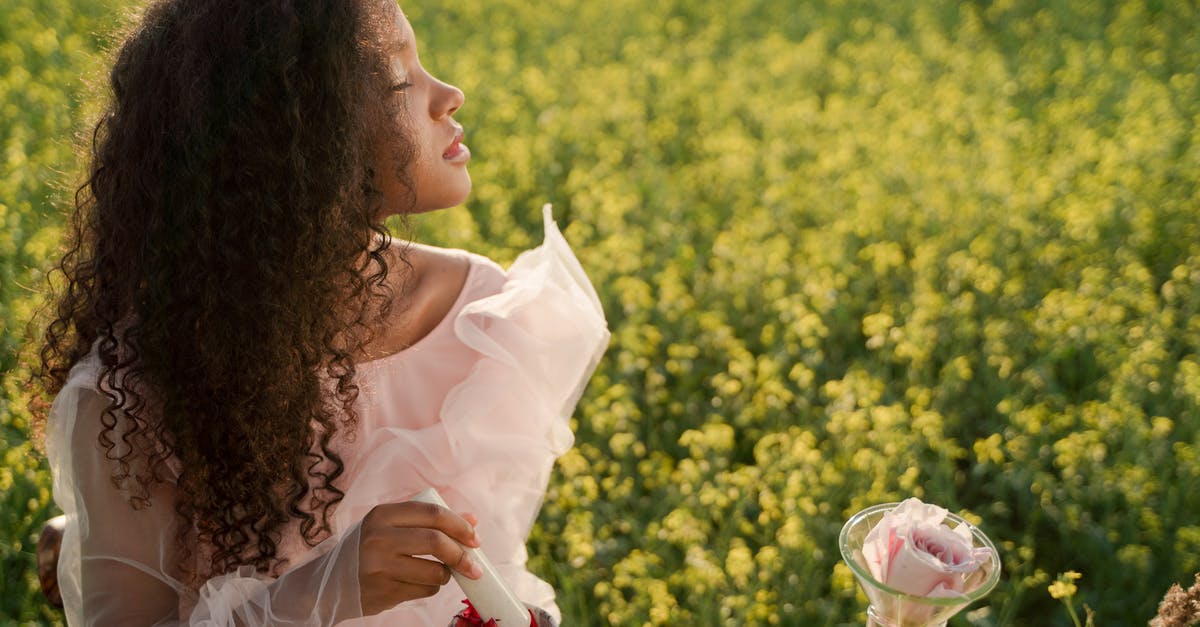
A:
479, 409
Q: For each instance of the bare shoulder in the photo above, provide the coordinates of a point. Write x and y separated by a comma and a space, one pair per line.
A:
439, 272
427, 281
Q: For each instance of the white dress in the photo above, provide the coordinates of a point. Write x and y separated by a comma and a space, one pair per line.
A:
479, 409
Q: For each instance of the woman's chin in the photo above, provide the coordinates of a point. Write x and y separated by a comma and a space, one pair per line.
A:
426, 205
447, 198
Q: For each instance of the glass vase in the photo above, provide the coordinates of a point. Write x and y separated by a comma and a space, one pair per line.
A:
890, 607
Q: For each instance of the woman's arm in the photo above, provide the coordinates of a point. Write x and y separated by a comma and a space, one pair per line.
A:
119, 565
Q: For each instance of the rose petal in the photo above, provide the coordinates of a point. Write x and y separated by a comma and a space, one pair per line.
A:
916, 572
875, 548
964, 531
946, 545
912, 510
909, 549
943, 591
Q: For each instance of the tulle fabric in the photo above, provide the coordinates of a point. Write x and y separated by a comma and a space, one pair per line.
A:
478, 409
119, 566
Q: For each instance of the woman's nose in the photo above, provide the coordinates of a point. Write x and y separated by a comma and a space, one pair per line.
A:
446, 101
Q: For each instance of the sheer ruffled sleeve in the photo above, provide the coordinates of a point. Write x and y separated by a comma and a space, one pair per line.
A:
544, 332
527, 341
118, 565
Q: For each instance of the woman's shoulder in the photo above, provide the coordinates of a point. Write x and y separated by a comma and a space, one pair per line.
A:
439, 277
430, 284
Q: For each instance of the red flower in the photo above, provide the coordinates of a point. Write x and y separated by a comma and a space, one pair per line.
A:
468, 617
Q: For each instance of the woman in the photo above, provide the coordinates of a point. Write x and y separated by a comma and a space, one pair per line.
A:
252, 378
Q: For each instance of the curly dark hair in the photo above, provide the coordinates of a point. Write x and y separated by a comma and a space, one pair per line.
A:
226, 259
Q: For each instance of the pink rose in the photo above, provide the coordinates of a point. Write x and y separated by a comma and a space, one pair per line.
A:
910, 550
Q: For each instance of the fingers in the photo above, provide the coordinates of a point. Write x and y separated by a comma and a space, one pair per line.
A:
418, 571
385, 580
417, 514
425, 541
405, 570
397, 530
375, 599
391, 538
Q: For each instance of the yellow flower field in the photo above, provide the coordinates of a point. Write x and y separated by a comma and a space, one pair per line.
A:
850, 252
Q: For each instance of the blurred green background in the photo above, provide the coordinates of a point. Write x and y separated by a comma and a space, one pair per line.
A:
850, 252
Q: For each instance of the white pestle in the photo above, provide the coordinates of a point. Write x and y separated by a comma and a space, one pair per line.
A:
489, 594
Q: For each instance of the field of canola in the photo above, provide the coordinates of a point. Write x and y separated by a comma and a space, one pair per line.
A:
850, 251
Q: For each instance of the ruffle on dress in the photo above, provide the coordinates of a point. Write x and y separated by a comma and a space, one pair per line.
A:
490, 452
526, 348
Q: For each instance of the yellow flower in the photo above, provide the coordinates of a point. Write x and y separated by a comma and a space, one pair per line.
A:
1063, 586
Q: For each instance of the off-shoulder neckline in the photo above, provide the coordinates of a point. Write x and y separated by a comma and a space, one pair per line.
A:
451, 313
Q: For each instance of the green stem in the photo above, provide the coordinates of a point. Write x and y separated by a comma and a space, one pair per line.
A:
1074, 616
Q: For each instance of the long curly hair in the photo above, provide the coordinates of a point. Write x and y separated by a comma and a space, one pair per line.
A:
226, 260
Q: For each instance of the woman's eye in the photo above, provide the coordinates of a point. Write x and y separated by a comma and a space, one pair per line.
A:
401, 86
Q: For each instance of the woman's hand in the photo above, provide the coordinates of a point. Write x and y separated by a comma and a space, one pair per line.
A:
393, 534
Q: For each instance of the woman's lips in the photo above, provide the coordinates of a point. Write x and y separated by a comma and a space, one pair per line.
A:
458, 151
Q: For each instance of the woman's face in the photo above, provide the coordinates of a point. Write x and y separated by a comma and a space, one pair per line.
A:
438, 171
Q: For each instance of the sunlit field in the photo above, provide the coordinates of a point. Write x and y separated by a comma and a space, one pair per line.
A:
849, 251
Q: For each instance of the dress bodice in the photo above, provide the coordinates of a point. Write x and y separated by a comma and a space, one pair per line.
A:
478, 408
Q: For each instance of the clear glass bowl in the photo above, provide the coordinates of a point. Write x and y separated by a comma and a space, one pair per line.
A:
893, 608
